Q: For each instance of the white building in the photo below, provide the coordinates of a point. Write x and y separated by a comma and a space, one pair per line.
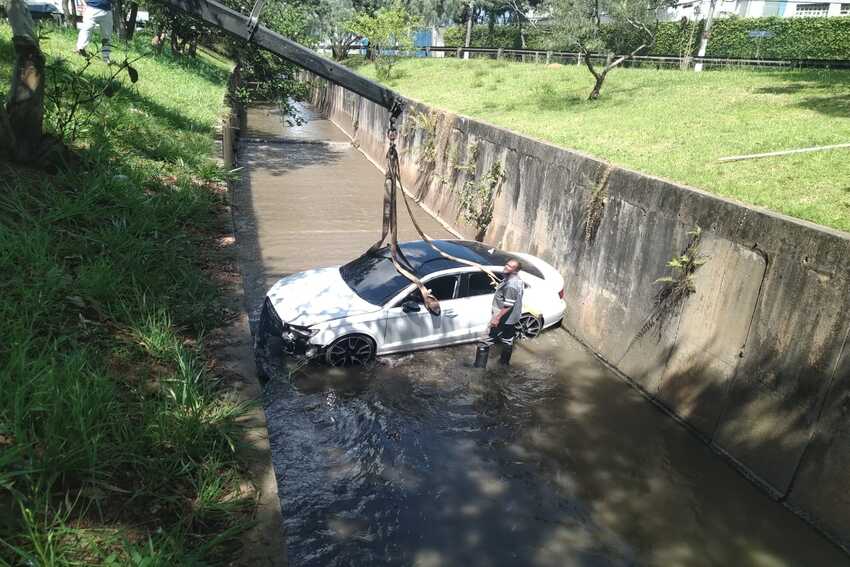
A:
697, 9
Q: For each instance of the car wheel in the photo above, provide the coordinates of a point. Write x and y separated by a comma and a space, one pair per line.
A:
267, 350
351, 350
528, 326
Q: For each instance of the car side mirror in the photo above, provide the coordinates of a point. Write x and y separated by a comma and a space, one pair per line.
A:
410, 307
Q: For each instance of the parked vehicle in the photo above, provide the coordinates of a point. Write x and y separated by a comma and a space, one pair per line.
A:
41, 9
351, 313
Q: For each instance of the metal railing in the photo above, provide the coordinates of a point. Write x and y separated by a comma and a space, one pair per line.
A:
651, 61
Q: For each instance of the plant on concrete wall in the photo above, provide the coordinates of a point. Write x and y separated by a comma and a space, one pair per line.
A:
596, 206
427, 122
676, 287
477, 198
471, 160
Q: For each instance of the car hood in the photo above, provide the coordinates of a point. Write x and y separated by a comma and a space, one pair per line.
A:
316, 296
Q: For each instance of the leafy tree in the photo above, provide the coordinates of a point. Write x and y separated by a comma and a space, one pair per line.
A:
331, 21
389, 32
579, 24
268, 77
21, 118
435, 12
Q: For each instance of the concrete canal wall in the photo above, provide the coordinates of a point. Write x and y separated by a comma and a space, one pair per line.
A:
756, 359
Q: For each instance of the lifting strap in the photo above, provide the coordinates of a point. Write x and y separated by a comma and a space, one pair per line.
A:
392, 185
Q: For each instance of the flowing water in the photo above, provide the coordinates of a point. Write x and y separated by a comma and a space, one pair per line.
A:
424, 460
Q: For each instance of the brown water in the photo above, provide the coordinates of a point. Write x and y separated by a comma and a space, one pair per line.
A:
424, 460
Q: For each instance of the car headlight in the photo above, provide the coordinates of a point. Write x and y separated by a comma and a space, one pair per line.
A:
303, 331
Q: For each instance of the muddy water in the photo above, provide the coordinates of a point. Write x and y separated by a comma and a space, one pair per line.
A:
424, 460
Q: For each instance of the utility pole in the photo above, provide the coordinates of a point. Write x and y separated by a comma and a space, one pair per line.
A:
706, 32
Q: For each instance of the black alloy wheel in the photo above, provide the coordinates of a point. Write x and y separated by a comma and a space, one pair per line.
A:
528, 326
351, 350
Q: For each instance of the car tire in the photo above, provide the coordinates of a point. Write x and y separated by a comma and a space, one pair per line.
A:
351, 350
528, 326
267, 350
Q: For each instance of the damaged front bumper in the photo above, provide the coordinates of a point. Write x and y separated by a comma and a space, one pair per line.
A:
295, 340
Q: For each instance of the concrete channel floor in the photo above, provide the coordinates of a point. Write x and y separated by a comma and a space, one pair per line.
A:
637, 489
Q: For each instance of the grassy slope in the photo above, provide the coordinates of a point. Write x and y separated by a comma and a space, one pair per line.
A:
116, 438
671, 124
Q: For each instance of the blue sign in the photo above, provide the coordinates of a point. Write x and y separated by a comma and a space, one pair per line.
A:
760, 34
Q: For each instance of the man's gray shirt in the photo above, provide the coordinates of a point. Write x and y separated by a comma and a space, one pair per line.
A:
509, 294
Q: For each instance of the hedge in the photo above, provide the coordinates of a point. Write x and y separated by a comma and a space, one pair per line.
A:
793, 38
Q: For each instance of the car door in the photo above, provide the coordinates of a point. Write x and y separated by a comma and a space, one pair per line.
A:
409, 330
474, 303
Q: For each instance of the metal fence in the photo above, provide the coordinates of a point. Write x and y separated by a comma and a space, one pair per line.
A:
645, 61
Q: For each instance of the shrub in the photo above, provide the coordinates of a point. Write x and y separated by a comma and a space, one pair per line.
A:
793, 38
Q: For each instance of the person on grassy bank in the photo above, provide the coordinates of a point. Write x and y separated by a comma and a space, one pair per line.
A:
96, 12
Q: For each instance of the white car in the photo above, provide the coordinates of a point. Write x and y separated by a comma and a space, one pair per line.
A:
351, 313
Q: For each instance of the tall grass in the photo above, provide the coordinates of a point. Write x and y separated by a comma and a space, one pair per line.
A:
117, 441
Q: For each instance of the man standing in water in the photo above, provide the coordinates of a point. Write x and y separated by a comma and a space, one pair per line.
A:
506, 311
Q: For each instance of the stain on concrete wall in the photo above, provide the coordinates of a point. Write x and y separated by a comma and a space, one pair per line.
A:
755, 360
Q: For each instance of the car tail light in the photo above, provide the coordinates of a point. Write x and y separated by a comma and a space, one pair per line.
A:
561, 293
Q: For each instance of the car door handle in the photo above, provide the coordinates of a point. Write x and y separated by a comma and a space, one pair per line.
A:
449, 313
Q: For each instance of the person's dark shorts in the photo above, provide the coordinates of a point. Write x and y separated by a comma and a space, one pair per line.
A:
503, 333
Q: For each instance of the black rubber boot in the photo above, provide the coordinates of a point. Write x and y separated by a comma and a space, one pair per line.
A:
482, 353
505, 358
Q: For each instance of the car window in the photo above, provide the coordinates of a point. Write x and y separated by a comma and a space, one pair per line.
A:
442, 288
373, 277
479, 283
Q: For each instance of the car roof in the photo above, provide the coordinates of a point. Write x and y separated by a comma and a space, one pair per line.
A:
425, 260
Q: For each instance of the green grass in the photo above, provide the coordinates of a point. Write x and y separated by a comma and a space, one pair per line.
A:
669, 123
118, 443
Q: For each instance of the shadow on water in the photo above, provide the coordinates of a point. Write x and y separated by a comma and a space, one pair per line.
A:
424, 460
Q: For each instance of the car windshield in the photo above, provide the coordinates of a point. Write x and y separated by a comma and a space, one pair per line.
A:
373, 277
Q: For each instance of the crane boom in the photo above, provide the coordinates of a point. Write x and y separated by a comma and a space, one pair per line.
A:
246, 27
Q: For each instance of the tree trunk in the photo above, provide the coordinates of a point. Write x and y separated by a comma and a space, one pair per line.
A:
118, 19
66, 12
594, 94
21, 121
522, 41
175, 43
130, 26
491, 28
470, 15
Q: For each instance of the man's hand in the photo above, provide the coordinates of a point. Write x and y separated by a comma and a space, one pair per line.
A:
494, 322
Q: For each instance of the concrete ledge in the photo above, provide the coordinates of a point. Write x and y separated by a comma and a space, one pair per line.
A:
756, 360
263, 544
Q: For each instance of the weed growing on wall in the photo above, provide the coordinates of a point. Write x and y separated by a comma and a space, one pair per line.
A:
427, 122
471, 161
676, 287
596, 206
477, 199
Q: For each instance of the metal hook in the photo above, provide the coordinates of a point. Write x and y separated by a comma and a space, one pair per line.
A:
254, 18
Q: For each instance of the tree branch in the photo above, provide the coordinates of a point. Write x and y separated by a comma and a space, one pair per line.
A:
586, 56
623, 58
